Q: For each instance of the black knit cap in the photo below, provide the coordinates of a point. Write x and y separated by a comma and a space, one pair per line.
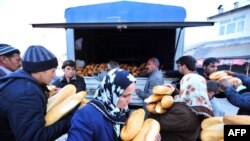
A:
37, 58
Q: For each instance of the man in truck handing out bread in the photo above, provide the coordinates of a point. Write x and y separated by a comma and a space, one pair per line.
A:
23, 99
155, 78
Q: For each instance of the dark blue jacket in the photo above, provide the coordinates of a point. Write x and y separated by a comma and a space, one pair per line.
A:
78, 81
89, 124
23, 108
240, 100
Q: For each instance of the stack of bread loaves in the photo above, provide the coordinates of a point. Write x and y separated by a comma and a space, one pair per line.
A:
137, 129
62, 103
219, 75
213, 127
161, 99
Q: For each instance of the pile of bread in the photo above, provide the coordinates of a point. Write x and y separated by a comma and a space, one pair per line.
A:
161, 99
138, 129
61, 103
219, 75
90, 69
213, 127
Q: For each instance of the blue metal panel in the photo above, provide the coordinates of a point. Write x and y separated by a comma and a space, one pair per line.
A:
125, 11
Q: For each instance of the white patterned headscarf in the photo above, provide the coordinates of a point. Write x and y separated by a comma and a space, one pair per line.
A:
193, 91
108, 93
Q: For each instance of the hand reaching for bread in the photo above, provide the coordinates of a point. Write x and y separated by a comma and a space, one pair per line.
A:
230, 72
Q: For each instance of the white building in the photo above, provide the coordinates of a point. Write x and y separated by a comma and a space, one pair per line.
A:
228, 39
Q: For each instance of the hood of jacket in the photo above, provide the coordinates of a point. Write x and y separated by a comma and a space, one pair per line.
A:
19, 74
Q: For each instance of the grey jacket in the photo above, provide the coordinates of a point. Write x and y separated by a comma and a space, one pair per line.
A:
155, 78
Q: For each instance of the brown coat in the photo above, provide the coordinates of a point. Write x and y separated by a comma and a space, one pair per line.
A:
179, 123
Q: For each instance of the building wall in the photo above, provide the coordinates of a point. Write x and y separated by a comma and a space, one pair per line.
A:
233, 18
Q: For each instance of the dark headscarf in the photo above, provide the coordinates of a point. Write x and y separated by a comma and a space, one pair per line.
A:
108, 93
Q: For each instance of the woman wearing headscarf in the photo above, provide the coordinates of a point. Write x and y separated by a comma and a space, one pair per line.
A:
102, 118
182, 121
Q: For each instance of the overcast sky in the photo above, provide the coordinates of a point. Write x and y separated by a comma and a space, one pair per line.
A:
17, 15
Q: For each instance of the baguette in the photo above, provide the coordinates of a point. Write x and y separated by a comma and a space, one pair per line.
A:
63, 93
63, 108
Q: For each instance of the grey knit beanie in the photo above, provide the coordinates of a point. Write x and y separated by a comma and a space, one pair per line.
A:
37, 58
213, 86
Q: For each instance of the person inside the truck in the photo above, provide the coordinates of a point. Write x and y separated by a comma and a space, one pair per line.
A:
69, 77
155, 78
191, 105
100, 75
10, 59
102, 117
23, 99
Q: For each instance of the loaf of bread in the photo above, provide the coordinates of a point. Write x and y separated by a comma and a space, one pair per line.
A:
236, 119
217, 75
133, 126
63, 93
159, 109
151, 107
63, 108
234, 81
153, 98
52, 90
162, 89
211, 121
213, 133
149, 130
167, 101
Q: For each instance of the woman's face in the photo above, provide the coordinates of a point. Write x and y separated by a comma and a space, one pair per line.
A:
126, 97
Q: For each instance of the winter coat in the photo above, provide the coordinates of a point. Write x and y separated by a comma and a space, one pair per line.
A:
22, 110
240, 99
89, 124
179, 123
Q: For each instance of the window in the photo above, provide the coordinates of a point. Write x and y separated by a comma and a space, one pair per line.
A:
240, 26
230, 28
222, 30
233, 25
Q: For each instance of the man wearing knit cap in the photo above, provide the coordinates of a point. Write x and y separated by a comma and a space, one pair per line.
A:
23, 99
10, 59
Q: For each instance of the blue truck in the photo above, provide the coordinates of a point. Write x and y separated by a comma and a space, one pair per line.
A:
127, 32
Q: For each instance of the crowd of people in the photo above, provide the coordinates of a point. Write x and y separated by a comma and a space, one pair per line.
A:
24, 97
